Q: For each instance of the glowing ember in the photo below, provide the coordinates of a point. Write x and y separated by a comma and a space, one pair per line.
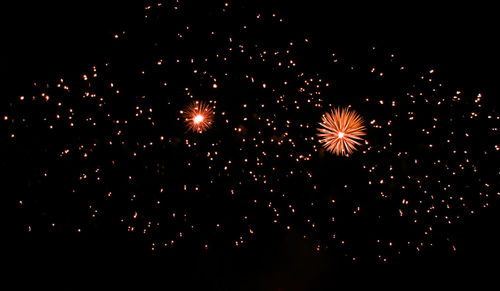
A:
199, 118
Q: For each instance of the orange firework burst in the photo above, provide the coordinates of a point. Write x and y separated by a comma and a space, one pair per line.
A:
341, 130
199, 116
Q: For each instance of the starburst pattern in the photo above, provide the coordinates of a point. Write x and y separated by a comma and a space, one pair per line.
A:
341, 130
199, 116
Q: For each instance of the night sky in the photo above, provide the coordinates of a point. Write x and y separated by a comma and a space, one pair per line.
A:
102, 173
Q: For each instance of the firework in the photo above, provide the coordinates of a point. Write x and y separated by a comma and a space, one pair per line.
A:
341, 130
199, 116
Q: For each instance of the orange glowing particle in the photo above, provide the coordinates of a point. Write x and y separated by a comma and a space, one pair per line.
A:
340, 131
199, 116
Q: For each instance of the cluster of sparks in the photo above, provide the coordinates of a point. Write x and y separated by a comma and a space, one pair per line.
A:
341, 131
199, 116
263, 166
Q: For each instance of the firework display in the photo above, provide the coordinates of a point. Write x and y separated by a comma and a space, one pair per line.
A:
215, 136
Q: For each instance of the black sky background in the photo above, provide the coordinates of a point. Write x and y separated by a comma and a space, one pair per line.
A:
50, 39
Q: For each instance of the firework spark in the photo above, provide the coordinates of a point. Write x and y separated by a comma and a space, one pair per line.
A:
199, 116
341, 130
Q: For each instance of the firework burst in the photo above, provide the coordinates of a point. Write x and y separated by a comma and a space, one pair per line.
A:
199, 116
341, 131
